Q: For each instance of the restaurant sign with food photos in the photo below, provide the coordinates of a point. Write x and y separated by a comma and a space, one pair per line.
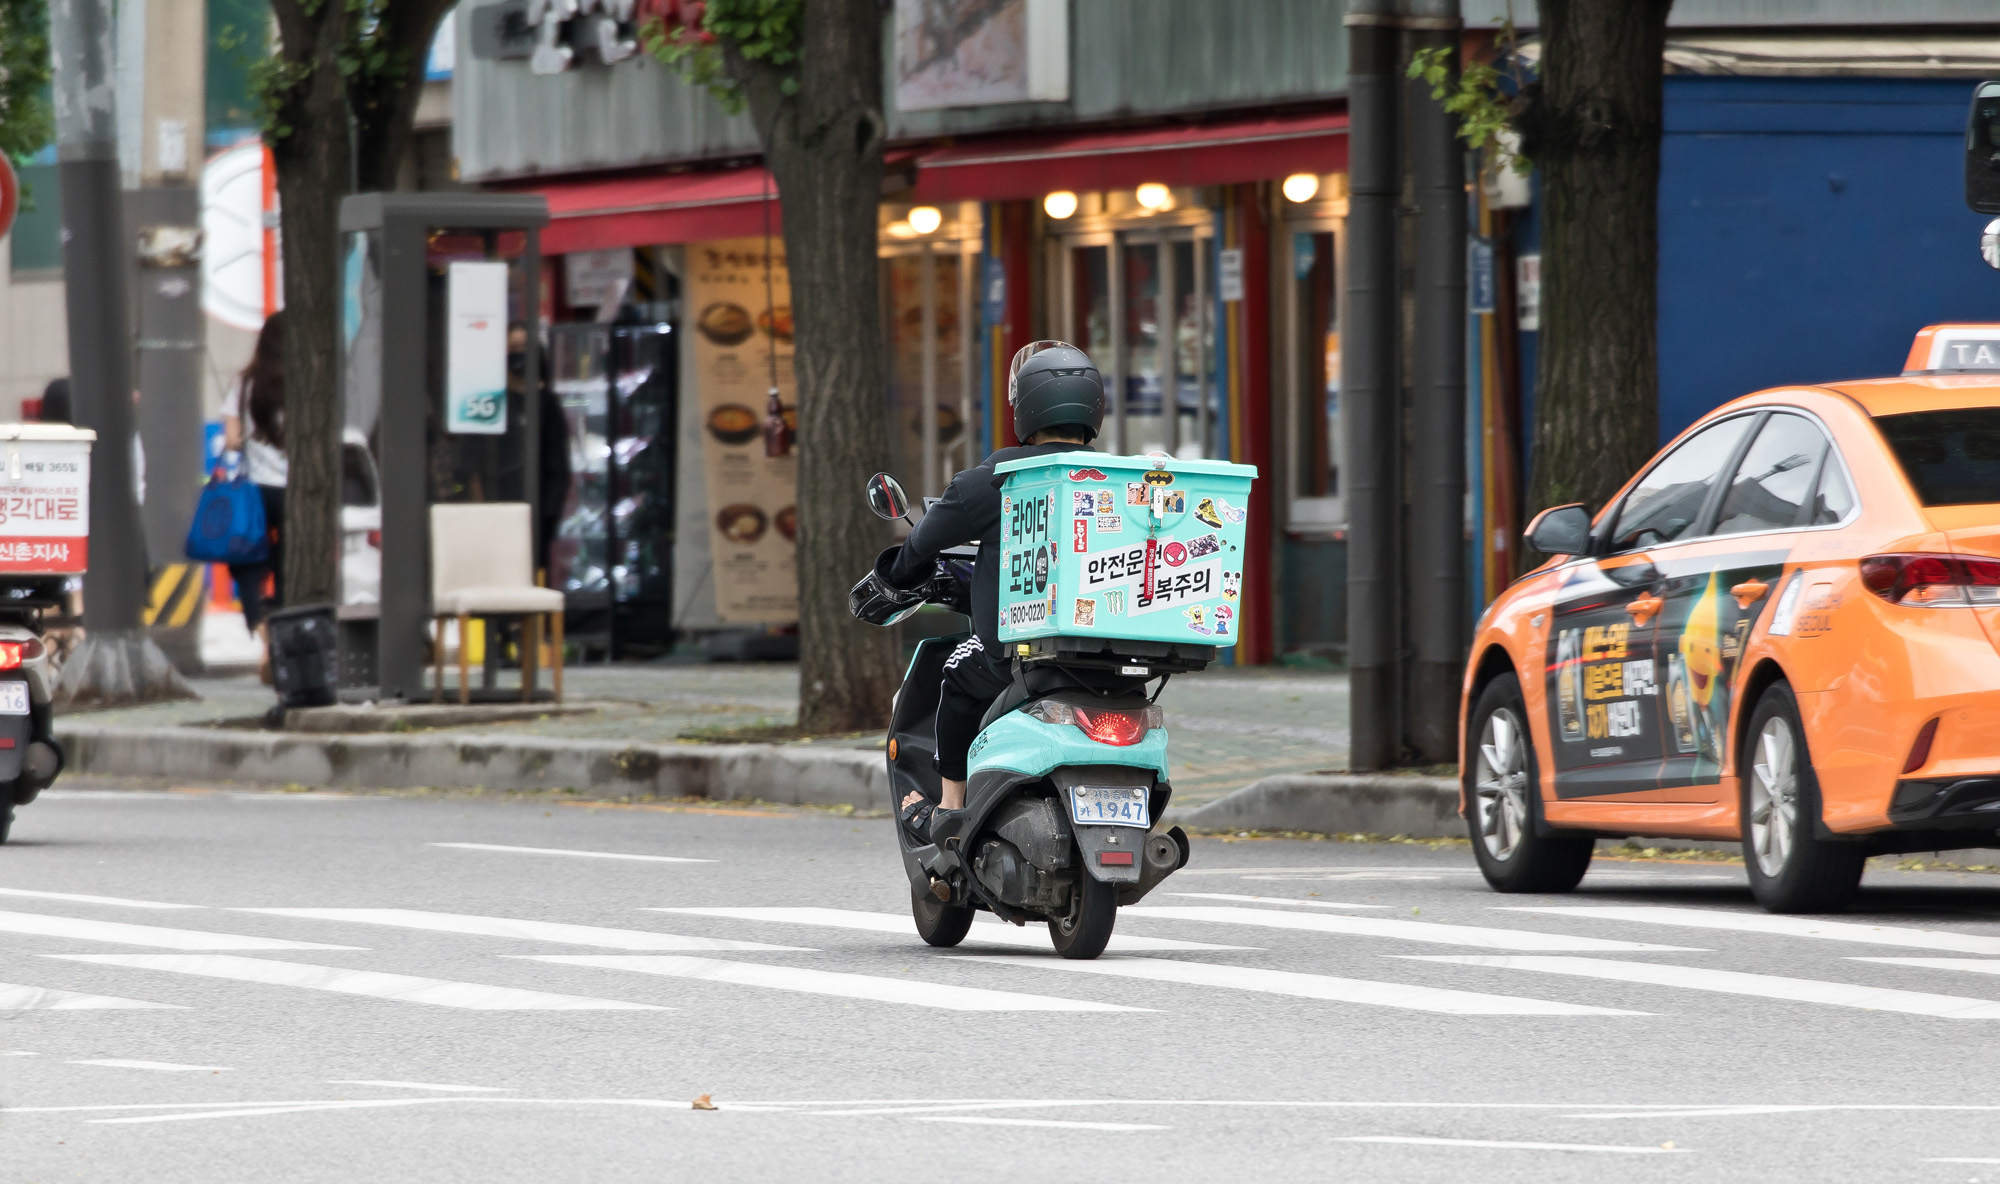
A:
748, 431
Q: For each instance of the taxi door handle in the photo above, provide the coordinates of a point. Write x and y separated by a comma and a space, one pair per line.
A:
1644, 607
1749, 592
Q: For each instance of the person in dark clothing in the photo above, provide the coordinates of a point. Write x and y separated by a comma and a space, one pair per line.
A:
253, 420
1058, 402
55, 402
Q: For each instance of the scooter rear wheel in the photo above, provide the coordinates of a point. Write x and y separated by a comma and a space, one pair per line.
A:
1093, 910
939, 924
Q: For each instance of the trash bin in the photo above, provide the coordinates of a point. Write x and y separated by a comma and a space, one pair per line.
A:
305, 655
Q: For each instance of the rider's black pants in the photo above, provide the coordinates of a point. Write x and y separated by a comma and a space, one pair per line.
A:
972, 680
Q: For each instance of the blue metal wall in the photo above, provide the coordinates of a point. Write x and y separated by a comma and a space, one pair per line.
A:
1808, 228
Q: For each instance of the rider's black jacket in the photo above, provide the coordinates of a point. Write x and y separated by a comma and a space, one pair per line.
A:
970, 509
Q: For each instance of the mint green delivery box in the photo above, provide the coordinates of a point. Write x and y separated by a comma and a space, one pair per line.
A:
1139, 547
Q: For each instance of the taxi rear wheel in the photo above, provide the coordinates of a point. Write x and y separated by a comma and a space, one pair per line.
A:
1792, 869
1504, 801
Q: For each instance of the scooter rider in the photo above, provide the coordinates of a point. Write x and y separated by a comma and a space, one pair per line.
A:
1057, 397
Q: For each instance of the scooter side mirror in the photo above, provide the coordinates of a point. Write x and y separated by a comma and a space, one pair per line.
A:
886, 497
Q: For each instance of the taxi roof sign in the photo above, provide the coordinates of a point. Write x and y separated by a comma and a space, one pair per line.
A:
1954, 349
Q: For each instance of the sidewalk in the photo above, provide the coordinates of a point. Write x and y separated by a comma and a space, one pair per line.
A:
1230, 727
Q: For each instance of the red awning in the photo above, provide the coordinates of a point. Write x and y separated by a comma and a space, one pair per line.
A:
1203, 154
657, 208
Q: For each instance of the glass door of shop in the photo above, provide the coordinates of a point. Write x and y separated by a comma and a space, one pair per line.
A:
930, 315
1141, 302
1310, 379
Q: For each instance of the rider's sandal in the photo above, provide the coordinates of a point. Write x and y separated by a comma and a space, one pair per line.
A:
916, 819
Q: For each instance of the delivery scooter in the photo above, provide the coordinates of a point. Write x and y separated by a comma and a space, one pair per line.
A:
1068, 777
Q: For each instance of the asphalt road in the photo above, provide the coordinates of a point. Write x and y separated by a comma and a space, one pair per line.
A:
261, 987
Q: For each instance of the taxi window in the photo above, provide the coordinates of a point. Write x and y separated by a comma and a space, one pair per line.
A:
1665, 505
1836, 494
1951, 457
1775, 477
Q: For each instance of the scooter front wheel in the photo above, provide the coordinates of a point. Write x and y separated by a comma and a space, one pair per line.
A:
1086, 930
939, 924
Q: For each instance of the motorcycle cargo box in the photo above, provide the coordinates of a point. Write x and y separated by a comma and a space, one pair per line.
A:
1144, 548
44, 499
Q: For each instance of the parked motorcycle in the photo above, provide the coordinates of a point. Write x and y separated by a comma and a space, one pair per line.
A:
1068, 776
30, 758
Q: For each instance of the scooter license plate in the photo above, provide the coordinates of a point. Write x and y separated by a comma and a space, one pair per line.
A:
13, 698
1111, 805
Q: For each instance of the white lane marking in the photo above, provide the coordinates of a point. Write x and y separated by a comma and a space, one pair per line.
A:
82, 899
1308, 986
1974, 965
18, 1053
975, 1120
124, 933
1497, 1145
117, 795
988, 932
155, 1066
1736, 982
1285, 900
828, 982
260, 1111
1960, 1159
523, 930
1878, 935
1707, 1112
403, 988
563, 851
19, 998
477, 1089
1475, 936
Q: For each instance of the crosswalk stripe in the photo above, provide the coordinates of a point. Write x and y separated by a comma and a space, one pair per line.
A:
1878, 935
983, 932
827, 982
1974, 965
1499, 1145
1059, 1124
154, 1066
524, 930
79, 898
566, 851
1307, 986
403, 988
14, 997
476, 1089
1285, 900
1736, 982
159, 937
1475, 936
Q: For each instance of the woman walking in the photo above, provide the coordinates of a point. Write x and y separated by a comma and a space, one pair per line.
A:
253, 420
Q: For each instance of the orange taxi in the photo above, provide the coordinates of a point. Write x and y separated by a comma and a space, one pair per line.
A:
1785, 630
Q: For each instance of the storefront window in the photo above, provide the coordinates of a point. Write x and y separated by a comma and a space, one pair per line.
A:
1159, 369
930, 315
1312, 376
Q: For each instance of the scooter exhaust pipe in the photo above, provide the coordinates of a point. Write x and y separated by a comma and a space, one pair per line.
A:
1164, 853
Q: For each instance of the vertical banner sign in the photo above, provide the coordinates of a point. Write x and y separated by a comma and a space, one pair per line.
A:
749, 461
475, 384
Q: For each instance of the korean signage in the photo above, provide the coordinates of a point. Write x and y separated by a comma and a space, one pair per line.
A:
475, 388
44, 505
747, 431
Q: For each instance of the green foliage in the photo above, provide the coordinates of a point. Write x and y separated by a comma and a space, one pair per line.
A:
1481, 106
27, 123
689, 36
372, 58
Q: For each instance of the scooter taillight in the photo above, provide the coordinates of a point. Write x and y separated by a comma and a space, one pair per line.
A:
13, 653
1118, 728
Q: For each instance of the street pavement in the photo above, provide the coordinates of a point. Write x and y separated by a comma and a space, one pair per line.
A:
1231, 725
217, 985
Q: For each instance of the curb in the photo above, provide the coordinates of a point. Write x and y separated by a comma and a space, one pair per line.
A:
1336, 804
798, 776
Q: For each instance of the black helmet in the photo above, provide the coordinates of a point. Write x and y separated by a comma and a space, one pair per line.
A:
1053, 384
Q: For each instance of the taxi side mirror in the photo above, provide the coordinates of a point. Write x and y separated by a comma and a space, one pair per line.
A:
1561, 530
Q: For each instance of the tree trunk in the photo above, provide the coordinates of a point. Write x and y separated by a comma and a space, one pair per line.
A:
1594, 132
311, 152
384, 102
824, 146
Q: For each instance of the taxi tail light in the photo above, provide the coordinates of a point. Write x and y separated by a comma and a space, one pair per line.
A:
1920, 752
13, 653
1118, 728
1936, 581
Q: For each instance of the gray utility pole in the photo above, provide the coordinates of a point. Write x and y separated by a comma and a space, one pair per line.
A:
1438, 605
116, 663
1406, 609
1368, 387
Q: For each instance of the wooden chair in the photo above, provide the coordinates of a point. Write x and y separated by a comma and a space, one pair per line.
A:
482, 566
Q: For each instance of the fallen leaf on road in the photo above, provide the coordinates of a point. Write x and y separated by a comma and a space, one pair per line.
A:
702, 1103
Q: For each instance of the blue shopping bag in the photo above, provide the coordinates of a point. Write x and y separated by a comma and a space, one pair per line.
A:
229, 524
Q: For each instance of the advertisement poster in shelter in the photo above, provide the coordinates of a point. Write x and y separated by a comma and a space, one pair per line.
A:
749, 453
